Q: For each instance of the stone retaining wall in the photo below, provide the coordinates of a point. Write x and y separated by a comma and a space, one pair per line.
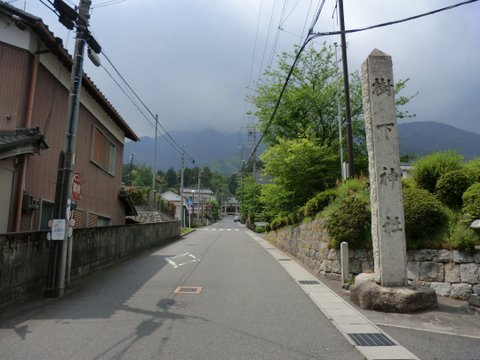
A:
450, 272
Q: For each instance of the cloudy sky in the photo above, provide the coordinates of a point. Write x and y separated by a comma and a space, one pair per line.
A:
192, 61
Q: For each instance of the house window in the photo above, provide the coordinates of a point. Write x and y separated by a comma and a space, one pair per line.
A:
95, 220
92, 220
79, 216
103, 221
46, 213
103, 153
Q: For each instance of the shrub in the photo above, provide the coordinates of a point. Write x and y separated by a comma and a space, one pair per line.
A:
471, 203
319, 202
349, 220
408, 183
451, 186
463, 238
279, 222
139, 195
426, 219
429, 168
359, 186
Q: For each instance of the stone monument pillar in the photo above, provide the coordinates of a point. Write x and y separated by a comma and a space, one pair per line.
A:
386, 199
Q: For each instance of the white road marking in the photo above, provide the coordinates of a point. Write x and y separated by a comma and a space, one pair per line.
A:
190, 258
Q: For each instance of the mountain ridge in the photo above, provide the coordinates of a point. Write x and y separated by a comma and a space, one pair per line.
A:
221, 150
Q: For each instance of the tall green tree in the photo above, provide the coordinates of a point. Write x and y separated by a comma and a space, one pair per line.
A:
142, 175
308, 108
301, 168
171, 179
248, 192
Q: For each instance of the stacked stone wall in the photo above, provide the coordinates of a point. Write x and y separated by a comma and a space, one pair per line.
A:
450, 272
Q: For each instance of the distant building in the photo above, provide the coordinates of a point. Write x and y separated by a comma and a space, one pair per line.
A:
406, 170
34, 92
174, 198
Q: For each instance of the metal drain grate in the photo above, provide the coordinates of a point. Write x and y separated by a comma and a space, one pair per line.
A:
309, 282
371, 339
284, 259
193, 290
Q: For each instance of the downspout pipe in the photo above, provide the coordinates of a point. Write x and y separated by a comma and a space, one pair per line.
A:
24, 158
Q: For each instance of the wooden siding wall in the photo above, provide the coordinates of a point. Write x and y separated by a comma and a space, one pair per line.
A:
99, 189
14, 76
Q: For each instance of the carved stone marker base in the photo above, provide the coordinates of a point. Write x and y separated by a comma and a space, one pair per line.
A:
402, 299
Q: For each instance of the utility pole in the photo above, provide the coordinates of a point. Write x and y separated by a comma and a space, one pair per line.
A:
154, 162
182, 215
340, 136
61, 233
199, 197
132, 154
348, 116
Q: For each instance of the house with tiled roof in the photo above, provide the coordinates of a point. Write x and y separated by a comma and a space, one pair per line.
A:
34, 91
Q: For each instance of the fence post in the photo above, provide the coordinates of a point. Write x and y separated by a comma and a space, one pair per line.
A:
344, 261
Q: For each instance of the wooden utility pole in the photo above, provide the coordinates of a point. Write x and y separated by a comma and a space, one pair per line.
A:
348, 116
61, 233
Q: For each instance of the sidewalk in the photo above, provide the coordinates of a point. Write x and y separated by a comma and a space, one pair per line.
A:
453, 317
452, 332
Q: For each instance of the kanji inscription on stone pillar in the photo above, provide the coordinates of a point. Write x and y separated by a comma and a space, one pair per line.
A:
388, 224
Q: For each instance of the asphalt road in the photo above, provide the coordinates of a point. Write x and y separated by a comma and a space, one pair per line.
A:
248, 308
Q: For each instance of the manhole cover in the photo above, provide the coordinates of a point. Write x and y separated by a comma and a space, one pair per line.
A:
193, 290
371, 339
309, 282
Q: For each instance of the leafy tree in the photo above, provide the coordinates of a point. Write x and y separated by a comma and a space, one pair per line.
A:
301, 168
309, 106
206, 176
248, 192
275, 200
142, 175
171, 178
232, 184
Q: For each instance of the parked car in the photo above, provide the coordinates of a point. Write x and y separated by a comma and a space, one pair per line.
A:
236, 218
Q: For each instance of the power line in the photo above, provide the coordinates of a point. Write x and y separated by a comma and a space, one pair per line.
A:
138, 107
49, 7
277, 104
319, 34
174, 143
312, 36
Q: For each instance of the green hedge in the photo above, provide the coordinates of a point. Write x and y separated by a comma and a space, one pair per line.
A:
431, 167
471, 203
426, 219
319, 202
451, 186
349, 220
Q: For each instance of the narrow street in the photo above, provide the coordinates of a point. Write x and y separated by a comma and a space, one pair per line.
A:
237, 303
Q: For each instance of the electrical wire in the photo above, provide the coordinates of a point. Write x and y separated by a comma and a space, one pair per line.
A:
137, 106
312, 36
166, 135
173, 142
266, 39
277, 34
315, 19
319, 34
108, 3
48, 6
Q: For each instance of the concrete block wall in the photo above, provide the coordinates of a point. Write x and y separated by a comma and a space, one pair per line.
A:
24, 256
450, 272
